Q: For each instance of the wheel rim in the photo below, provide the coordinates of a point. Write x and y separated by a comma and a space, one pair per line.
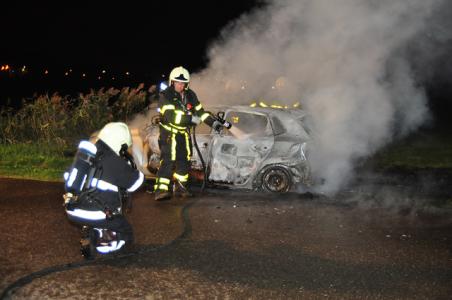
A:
276, 180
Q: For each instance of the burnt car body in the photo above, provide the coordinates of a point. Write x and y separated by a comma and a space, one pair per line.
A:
266, 149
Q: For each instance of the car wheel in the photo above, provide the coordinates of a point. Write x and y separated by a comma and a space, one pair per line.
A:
276, 179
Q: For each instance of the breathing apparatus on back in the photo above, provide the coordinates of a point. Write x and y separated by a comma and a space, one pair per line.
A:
85, 167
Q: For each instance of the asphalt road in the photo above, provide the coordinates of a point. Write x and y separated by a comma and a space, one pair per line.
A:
384, 242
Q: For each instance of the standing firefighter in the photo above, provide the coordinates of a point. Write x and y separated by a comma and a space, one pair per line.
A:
179, 109
96, 186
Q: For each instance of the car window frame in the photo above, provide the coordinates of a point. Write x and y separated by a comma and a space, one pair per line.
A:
267, 117
273, 121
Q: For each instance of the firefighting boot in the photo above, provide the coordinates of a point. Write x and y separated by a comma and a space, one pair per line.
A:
181, 189
88, 242
162, 195
105, 236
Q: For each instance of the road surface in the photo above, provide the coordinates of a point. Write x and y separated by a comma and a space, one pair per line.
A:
383, 241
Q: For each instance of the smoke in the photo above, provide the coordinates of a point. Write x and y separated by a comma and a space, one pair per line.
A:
345, 61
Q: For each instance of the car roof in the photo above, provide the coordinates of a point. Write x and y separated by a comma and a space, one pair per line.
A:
271, 111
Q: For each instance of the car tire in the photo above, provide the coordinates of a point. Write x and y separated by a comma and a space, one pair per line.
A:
275, 179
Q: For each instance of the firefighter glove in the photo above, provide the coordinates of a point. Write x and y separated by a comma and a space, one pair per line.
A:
196, 120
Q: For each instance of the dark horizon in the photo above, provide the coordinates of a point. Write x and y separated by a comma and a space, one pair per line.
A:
134, 43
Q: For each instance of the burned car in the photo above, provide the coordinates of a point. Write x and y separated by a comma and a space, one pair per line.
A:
266, 149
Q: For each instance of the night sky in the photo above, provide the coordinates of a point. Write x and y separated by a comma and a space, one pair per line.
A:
144, 40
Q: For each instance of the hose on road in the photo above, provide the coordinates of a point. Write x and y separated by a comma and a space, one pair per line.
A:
186, 232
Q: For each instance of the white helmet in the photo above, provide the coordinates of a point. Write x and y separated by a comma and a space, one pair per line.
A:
116, 134
179, 74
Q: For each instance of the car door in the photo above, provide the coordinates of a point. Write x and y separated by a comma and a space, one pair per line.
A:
237, 154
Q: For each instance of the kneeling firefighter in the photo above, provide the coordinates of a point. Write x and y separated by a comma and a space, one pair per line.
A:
179, 110
97, 184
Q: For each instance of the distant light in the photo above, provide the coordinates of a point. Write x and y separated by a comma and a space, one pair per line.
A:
163, 86
70, 70
273, 87
103, 71
24, 68
254, 104
112, 78
2, 68
83, 75
163, 75
262, 104
98, 77
66, 74
127, 73
243, 87
46, 72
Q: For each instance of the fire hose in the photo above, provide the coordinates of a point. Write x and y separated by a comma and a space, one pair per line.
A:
10, 289
21, 282
219, 117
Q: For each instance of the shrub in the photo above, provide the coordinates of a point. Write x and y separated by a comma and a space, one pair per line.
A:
60, 122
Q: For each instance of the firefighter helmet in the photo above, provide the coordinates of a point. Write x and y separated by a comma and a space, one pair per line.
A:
116, 134
179, 74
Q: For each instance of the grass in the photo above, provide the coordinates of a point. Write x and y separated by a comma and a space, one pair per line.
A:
32, 161
419, 151
424, 150
34, 136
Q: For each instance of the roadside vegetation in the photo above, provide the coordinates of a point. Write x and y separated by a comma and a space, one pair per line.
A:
28, 160
37, 141
422, 150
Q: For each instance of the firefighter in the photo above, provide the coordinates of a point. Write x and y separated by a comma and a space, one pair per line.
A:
100, 178
179, 110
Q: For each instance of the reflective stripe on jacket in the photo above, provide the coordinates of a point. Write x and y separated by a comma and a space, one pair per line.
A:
177, 111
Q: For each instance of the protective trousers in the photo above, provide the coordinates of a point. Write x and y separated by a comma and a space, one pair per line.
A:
175, 153
118, 224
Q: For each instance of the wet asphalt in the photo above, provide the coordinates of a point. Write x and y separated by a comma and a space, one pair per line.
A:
383, 242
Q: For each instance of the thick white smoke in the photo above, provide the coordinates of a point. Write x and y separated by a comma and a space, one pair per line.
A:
345, 62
